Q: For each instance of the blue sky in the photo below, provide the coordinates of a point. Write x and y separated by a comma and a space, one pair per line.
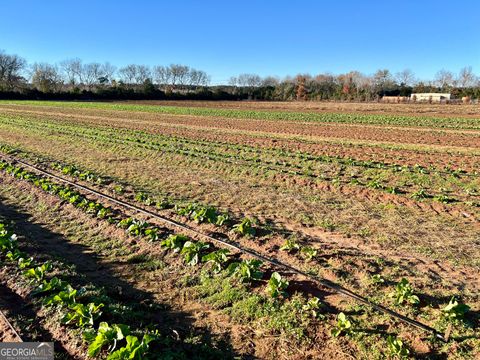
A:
226, 38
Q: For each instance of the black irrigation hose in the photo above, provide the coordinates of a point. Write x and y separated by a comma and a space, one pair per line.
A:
323, 282
4, 318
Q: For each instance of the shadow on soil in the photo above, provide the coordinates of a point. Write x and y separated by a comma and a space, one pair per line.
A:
144, 309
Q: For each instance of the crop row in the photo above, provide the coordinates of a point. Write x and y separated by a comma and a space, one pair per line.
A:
395, 120
119, 340
255, 153
307, 166
220, 260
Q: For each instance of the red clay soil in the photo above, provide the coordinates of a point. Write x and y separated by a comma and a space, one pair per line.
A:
153, 124
436, 110
315, 129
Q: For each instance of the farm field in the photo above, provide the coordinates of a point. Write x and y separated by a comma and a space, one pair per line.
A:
381, 199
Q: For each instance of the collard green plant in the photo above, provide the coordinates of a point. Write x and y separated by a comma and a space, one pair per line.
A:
174, 242
312, 307
343, 325
290, 245
377, 279
277, 285
83, 315
309, 252
134, 349
37, 274
396, 348
54, 284
246, 270
455, 311
217, 259
106, 335
404, 293
65, 297
192, 251
245, 228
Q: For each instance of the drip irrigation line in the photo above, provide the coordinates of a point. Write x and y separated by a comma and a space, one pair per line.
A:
235, 246
4, 318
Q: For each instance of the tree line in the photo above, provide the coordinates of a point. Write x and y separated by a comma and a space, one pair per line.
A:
74, 79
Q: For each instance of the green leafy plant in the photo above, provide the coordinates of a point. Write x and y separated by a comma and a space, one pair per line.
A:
38, 273
174, 242
83, 315
217, 259
276, 285
377, 279
455, 311
245, 228
404, 293
309, 252
290, 245
8, 240
419, 195
66, 297
54, 284
312, 306
192, 251
152, 233
105, 335
134, 349
396, 347
343, 325
246, 270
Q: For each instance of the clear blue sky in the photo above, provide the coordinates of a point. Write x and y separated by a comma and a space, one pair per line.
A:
226, 38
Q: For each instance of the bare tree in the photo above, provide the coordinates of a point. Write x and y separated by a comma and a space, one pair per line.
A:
179, 74
466, 77
108, 71
162, 75
46, 77
142, 74
128, 73
198, 78
270, 81
72, 71
92, 73
233, 81
250, 80
444, 79
11, 67
405, 77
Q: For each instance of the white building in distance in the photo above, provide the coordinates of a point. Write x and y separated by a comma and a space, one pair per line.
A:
435, 97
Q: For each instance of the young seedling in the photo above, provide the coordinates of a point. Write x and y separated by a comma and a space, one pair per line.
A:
106, 335
37, 274
152, 233
65, 297
290, 245
343, 326
396, 348
276, 286
309, 252
420, 195
217, 258
134, 349
247, 270
174, 242
455, 311
83, 315
404, 293
312, 307
377, 279
244, 228
192, 251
